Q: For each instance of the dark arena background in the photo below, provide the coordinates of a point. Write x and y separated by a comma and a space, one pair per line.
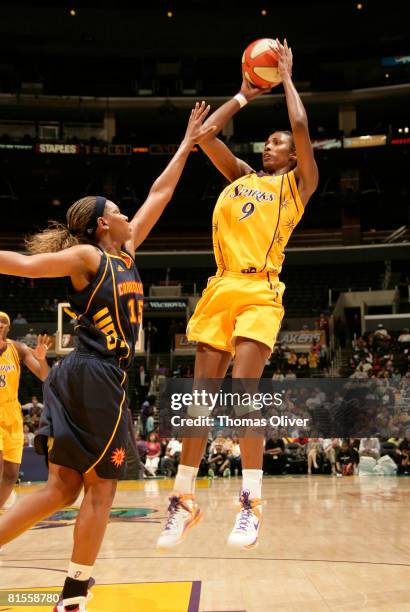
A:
94, 99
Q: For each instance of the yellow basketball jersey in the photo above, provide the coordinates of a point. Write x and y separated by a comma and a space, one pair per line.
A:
253, 220
9, 384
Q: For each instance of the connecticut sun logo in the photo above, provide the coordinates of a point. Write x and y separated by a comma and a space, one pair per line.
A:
118, 457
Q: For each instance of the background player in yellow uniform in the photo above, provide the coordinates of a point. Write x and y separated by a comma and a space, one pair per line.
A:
11, 421
240, 311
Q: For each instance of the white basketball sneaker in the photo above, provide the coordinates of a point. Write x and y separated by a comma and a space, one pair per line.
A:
78, 601
183, 514
246, 530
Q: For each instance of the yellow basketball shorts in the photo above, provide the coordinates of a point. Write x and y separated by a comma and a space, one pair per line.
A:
12, 439
234, 304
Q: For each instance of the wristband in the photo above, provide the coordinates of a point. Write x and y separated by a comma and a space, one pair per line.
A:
241, 99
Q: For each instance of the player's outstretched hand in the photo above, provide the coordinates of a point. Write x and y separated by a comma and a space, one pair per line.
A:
43, 344
285, 59
196, 131
250, 91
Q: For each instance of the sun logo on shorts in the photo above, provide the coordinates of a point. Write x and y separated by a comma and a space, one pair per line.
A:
118, 457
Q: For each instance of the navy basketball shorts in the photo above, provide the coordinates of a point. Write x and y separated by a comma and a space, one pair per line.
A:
84, 424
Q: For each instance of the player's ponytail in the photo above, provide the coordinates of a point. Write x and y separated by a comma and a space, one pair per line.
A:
58, 236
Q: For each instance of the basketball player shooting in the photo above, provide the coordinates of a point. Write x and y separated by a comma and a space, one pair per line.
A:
241, 310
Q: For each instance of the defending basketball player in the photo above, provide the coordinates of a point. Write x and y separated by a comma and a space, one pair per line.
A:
240, 311
85, 429
12, 353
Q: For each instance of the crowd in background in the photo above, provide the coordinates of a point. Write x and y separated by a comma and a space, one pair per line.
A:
381, 354
282, 455
380, 377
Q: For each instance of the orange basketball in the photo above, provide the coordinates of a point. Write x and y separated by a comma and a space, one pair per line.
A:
260, 63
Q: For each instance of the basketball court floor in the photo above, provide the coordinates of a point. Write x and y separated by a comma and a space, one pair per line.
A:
326, 544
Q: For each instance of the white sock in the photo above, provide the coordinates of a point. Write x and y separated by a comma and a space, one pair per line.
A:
79, 572
185, 479
252, 482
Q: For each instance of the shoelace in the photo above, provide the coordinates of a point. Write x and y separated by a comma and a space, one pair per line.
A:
245, 514
174, 504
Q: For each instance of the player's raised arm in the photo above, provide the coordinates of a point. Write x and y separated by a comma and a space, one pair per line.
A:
163, 189
35, 359
306, 171
218, 152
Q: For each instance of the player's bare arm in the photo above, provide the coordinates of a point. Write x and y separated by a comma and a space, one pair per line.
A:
79, 262
306, 171
35, 359
163, 188
218, 152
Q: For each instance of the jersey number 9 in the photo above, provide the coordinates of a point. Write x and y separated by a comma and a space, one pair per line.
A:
247, 210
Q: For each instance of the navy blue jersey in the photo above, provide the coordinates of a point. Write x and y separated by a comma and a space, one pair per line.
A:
109, 309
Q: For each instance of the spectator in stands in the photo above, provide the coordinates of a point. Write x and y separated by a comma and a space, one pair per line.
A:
30, 338
302, 440
316, 399
316, 347
362, 370
19, 320
323, 325
345, 459
146, 410
292, 361
218, 440
274, 455
150, 423
142, 447
312, 361
33, 407
404, 338
396, 376
228, 444
28, 435
160, 373
369, 447
330, 448
314, 449
170, 461
277, 375
404, 449
35, 421
218, 462
381, 332
153, 454
234, 456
